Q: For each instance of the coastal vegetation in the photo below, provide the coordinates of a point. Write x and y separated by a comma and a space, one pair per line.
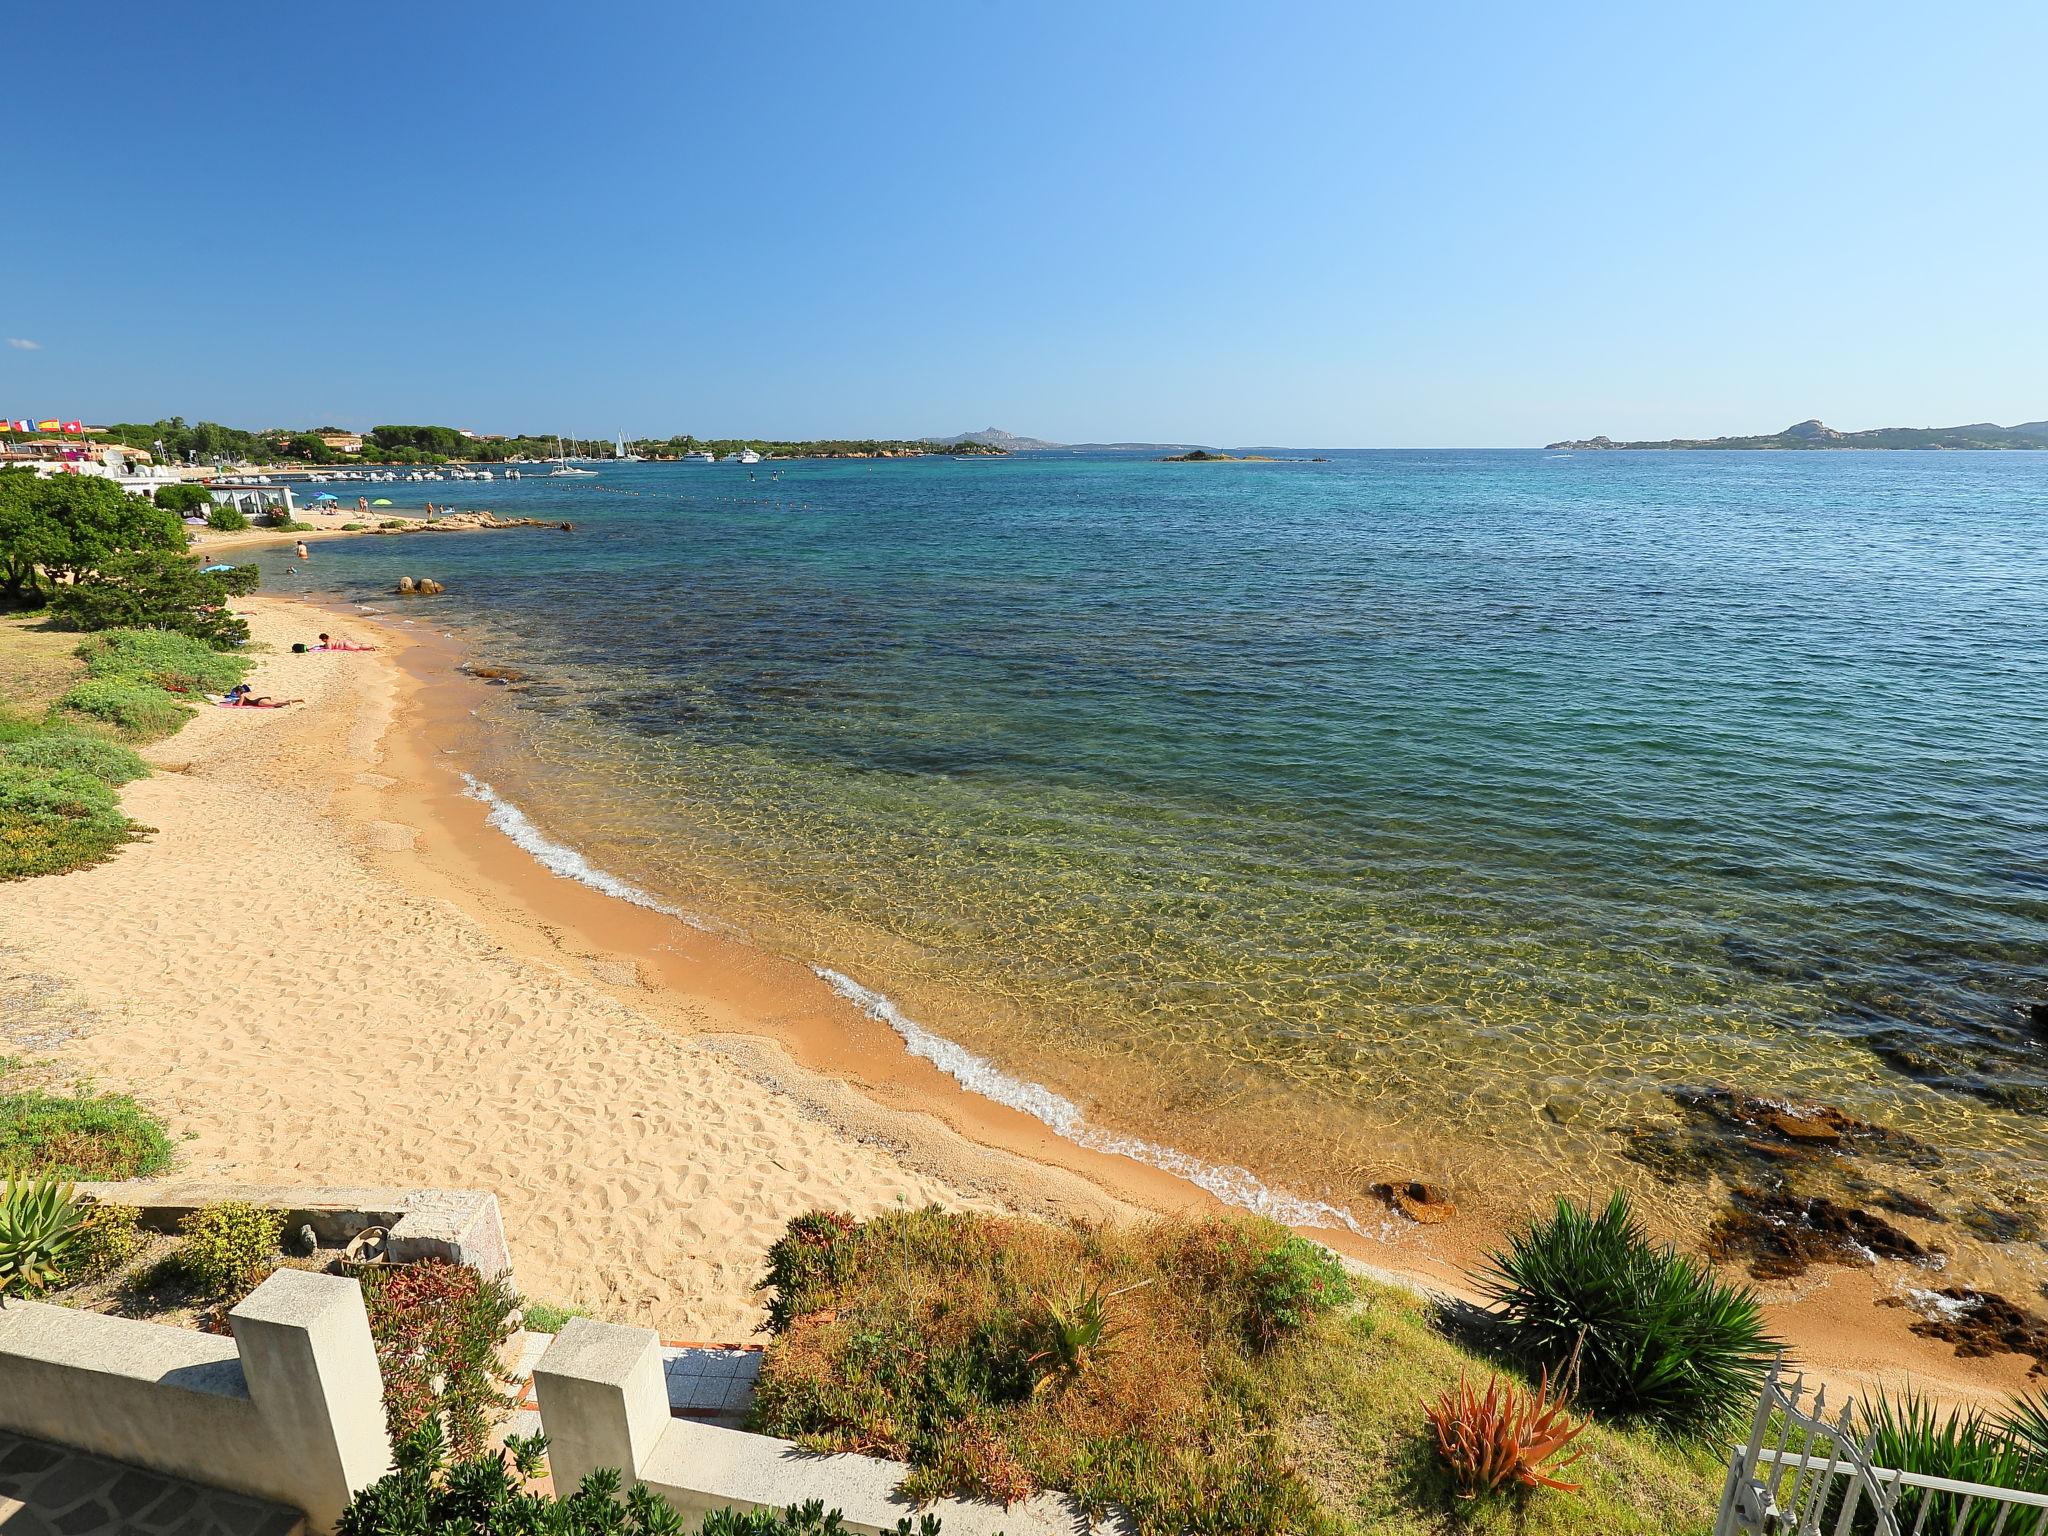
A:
1642, 1333
1215, 1375
79, 1135
438, 1328
39, 1225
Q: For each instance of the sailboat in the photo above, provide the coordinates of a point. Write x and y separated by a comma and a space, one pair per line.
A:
619, 451
564, 467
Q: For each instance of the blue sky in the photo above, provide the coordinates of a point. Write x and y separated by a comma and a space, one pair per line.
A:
1327, 225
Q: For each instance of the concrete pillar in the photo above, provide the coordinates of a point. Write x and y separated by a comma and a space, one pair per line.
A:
603, 1400
312, 1373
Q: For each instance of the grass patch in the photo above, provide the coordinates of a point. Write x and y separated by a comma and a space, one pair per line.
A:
80, 1136
37, 663
138, 709
162, 658
54, 748
1229, 1388
546, 1316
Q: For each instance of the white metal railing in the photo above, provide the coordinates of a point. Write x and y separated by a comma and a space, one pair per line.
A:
1789, 1489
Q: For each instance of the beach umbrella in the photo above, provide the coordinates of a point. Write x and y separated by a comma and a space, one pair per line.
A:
381, 501
327, 496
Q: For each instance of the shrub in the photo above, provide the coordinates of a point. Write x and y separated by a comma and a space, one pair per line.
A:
80, 1136
425, 1496
167, 659
39, 1225
155, 589
227, 519
1505, 1436
1296, 1282
438, 1328
183, 498
67, 748
56, 819
1911, 1434
109, 1241
65, 792
1650, 1335
392, 522
353, 527
228, 1248
143, 711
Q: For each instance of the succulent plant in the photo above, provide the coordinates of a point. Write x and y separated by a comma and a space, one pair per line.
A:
40, 1222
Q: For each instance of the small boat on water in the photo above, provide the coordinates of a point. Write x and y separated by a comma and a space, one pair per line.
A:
701, 456
564, 467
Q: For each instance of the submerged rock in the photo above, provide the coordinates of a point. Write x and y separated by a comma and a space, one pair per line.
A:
1978, 1323
1777, 1234
1419, 1202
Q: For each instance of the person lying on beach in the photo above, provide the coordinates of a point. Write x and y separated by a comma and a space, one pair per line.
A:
327, 644
239, 697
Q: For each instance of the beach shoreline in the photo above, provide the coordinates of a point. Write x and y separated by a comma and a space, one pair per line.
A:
380, 752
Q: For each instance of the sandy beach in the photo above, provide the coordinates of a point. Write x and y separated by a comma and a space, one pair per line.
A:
325, 967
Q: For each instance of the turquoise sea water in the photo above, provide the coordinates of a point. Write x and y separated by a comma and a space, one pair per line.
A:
1419, 810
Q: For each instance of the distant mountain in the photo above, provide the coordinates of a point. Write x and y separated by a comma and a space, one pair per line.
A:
1817, 434
996, 437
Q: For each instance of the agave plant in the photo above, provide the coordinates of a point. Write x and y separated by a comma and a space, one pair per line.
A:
1503, 1436
40, 1223
1648, 1334
1074, 1335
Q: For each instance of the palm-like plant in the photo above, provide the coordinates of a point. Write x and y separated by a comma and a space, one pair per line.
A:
1074, 1335
40, 1223
1647, 1333
1503, 1436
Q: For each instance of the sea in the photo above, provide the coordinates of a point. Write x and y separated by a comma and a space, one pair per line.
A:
1300, 825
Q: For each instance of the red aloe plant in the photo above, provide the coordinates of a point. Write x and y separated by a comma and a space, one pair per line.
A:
1503, 1436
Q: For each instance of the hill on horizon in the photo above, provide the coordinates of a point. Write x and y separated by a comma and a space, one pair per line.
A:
1814, 433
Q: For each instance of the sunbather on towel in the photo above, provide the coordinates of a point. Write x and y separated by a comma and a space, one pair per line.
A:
327, 644
239, 697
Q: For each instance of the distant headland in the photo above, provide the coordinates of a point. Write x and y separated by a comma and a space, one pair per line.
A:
1817, 434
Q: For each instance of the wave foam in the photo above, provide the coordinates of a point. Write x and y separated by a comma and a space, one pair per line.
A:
561, 859
1232, 1185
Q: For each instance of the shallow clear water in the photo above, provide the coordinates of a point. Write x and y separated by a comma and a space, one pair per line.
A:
1411, 810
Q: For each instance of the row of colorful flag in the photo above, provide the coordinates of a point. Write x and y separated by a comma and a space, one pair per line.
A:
23, 424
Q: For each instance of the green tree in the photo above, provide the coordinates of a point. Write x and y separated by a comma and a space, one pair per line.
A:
156, 589
68, 526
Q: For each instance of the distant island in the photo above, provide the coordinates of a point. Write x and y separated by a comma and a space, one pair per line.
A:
1204, 456
1817, 434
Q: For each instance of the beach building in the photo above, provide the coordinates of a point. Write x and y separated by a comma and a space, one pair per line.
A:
342, 442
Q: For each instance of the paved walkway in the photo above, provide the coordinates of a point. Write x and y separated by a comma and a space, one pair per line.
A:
47, 1490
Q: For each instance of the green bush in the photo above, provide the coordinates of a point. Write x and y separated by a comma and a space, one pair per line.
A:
228, 1248
108, 1242
143, 711
1636, 1332
155, 589
1294, 1284
183, 497
485, 1495
226, 518
40, 1220
80, 1136
1909, 1433
392, 522
65, 792
56, 819
57, 748
163, 657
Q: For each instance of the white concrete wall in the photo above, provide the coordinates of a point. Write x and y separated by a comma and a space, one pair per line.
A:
290, 1409
603, 1403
